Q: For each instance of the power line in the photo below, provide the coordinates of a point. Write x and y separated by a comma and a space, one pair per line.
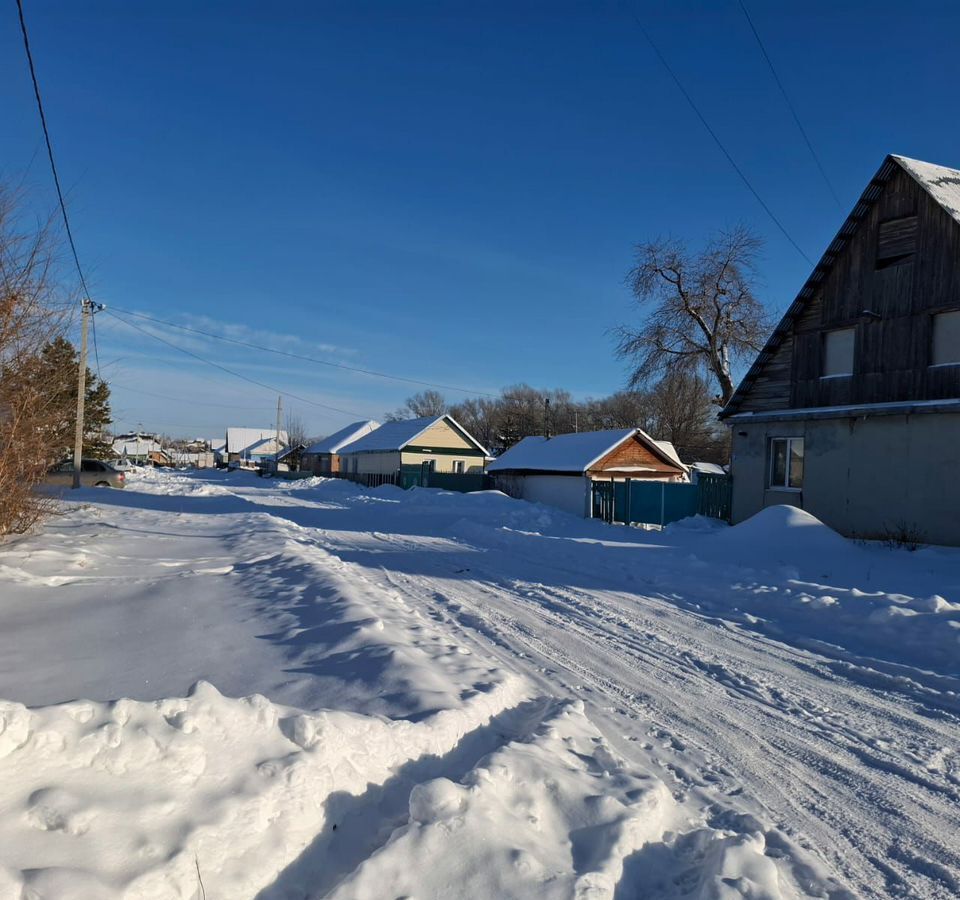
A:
96, 351
192, 400
46, 137
790, 106
235, 374
313, 359
718, 142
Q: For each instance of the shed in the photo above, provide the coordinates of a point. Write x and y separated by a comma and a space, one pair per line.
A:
559, 471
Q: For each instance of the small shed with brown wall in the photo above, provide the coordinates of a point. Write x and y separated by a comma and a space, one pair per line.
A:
559, 471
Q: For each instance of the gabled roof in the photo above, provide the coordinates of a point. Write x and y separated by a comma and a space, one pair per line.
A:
242, 439
574, 452
396, 435
941, 183
354, 431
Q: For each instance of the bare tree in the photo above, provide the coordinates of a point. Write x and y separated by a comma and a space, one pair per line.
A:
705, 312
419, 406
31, 315
295, 428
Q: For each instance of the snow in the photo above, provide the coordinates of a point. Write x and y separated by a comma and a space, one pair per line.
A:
562, 453
243, 440
335, 442
396, 435
941, 183
574, 452
310, 689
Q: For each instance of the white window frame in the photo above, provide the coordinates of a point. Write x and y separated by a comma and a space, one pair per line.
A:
933, 340
459, 467
853, 351
786, 485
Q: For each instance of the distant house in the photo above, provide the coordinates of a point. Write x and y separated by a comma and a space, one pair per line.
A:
252, 445
136, 447
559, 471
852, 409
323, 457
431, 444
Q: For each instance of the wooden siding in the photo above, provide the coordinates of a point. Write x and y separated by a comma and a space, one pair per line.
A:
443, 434
634, 452
892, 352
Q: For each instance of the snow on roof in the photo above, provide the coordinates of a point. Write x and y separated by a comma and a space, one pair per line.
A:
941, 183
241, 439
396, 435
563, 453
575, 452
334, 442
671, 451
708, 468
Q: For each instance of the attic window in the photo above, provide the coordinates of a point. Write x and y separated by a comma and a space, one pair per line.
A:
946, 339
838, 352
896, 242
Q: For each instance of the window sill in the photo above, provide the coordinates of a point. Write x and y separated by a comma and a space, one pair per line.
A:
946, 365
776, 489
834, 377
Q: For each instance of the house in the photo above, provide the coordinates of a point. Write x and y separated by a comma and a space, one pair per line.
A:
136, 446
431, 444
852, 409
252, 445
323, 456
560, 471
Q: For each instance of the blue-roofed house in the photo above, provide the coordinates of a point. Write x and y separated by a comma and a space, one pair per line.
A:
432, 444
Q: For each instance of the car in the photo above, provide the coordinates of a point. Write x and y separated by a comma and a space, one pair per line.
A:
93, 473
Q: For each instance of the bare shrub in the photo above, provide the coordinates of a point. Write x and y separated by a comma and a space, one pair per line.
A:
32, 313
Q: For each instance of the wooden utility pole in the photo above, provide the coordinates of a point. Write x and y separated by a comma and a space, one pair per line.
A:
276, 455
87, 309
85, 313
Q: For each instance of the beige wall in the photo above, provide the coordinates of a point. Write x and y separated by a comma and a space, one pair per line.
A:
371, 463
862, 476
440, 434
472, 465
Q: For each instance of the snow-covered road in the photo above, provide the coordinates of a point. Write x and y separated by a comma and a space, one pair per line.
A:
767, 711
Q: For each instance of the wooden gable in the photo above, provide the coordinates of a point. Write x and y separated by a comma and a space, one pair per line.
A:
634, 453
894, 264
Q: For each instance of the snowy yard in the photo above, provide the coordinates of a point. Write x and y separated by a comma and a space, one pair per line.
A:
336, 692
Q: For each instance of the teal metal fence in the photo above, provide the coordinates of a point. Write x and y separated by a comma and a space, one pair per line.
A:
635, 502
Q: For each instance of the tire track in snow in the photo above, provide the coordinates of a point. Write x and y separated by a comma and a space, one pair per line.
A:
871, 813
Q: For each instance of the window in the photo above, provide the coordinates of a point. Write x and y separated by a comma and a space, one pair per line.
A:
786, 463
896, 242
458, 466
838, 352
946, 339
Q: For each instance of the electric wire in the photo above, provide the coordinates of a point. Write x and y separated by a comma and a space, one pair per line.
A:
46, 137
235, 374
718, 142
192, 400
96, 351
790, 106
302, 357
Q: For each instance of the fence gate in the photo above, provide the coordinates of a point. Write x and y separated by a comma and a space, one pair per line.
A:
634, 501
716, 496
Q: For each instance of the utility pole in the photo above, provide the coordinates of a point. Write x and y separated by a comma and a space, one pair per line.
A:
546, 417
87, 309
276, 455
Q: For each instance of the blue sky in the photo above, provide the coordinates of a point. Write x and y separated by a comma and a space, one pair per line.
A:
444, 191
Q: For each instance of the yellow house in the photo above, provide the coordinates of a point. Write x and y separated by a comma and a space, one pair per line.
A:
412, 447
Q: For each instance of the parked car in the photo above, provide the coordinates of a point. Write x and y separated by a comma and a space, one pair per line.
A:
93, 473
